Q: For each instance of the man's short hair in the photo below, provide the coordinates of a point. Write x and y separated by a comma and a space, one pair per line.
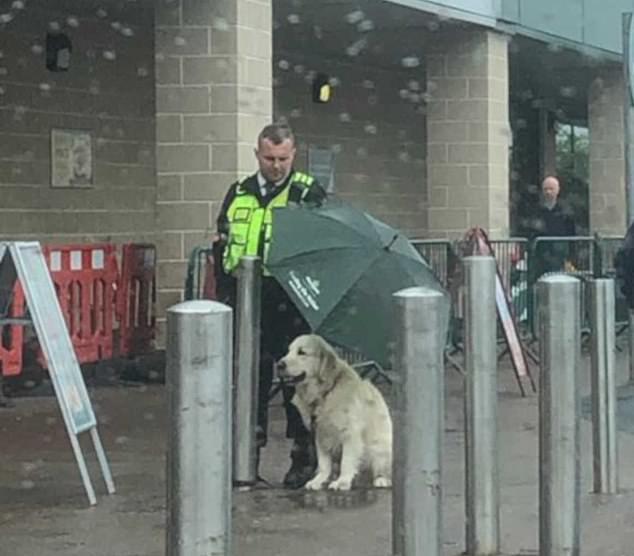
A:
277, 133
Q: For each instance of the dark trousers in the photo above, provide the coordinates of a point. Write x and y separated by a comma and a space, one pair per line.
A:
280, 323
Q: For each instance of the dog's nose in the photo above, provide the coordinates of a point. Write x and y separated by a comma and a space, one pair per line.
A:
281, 365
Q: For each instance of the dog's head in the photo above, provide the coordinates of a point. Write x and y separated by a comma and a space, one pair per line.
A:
309, 358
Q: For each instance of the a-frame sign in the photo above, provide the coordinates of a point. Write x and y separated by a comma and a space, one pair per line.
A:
480, 245
24, 261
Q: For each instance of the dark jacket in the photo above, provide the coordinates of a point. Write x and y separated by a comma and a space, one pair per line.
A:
553, 222
552, 255
624, 266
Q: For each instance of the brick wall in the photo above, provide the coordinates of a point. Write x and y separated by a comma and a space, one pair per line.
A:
213, 88
109, 90
468, 133
375, 124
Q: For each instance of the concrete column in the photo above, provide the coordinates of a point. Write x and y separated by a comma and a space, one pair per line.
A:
213, 95
468, 133
607, 154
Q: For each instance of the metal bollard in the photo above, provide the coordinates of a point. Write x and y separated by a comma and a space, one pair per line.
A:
604, 439
419, 422
199, 362
481, 456
560, 355
247, 371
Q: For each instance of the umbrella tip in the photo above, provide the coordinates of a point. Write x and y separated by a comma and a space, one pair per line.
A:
389, 245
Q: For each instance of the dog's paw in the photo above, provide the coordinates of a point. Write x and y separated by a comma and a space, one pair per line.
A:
340, 484
315, 484
382, 482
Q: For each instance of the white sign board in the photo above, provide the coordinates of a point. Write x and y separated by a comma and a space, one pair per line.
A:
25, 260
53, 335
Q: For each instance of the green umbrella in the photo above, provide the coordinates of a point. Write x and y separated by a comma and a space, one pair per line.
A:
340, 267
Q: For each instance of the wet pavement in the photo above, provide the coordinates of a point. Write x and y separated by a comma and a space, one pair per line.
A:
44, 511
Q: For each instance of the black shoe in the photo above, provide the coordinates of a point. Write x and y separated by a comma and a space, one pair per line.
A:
298, 476
303, 465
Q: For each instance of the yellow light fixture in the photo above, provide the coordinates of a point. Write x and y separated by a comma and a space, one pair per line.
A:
322, 90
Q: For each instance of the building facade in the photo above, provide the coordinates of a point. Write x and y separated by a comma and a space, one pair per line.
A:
128, 120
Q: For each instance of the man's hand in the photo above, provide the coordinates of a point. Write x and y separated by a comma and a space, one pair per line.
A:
219, 237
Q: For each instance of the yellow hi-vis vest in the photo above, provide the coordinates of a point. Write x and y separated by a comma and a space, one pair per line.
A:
251, 225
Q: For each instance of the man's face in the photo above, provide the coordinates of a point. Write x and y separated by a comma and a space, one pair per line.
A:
550, 189
275, 161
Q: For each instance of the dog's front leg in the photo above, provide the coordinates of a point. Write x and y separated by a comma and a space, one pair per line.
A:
350, 461
324, 466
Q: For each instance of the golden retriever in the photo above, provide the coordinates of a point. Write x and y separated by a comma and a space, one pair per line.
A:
347, 414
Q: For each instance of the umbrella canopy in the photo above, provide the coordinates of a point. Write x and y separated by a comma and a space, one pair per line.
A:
340, 266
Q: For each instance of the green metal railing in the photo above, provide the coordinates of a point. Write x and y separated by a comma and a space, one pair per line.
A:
573, 256
606, 250
520, 263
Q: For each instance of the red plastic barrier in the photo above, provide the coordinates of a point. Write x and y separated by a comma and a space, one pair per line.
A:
11, 338
136, 299
85, 278
91, 293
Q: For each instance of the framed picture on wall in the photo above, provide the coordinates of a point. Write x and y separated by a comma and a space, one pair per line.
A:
71, 158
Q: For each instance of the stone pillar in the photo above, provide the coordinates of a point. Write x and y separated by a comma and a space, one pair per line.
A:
213, 95
468, 134
607, 154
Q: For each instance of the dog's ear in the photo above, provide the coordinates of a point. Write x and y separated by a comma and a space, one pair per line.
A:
327, 363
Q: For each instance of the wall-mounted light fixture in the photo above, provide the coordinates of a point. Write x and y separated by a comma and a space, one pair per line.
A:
322, 90
58, 49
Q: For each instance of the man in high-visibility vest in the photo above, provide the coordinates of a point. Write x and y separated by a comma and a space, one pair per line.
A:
244, 227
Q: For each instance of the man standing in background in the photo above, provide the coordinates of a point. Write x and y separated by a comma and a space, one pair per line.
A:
552, 220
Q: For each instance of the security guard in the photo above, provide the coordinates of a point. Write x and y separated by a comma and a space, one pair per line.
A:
244, 227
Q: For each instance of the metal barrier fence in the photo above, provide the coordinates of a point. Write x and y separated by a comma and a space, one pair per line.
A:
442, 258
606, 250
511, 256
521, 264
85, 278
12, 337
200, 281
108, 313
136, 299
439, 254
570, 255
